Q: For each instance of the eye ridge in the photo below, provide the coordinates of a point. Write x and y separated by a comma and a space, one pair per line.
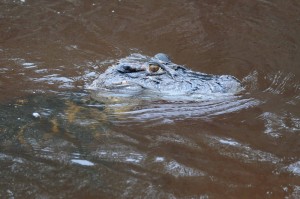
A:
129, 69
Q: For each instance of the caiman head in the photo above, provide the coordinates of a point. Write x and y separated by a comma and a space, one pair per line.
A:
159, 75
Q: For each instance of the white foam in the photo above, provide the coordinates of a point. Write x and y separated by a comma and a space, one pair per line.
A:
83, 162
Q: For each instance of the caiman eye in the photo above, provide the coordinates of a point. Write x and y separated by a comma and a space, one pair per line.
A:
153, 68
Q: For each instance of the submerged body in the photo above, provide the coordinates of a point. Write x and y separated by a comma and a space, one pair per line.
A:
159, 75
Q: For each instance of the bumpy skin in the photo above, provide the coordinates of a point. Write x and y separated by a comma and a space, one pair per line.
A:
135, 76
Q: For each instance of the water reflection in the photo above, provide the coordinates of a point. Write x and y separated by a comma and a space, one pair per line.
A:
71, 134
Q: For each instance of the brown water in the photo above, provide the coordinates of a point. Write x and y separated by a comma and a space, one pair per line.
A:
247, 146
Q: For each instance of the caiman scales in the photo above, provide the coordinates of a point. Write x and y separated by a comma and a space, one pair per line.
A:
159, 75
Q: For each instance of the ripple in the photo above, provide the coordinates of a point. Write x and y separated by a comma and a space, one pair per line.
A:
29, 65
276, 125
179, 170
242, 152
62, 82
294, 168
161, 111
119, 153
282, 82
82, 162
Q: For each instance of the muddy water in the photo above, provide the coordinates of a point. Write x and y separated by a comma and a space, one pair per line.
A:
245, 146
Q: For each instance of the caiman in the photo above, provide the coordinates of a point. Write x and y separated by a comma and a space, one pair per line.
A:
159, 75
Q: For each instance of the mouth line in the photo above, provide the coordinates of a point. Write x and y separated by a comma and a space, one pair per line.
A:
125, 85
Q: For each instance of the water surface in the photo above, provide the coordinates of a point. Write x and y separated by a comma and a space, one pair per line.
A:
57, 142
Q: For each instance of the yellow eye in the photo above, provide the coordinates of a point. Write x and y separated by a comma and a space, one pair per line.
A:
153, 68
